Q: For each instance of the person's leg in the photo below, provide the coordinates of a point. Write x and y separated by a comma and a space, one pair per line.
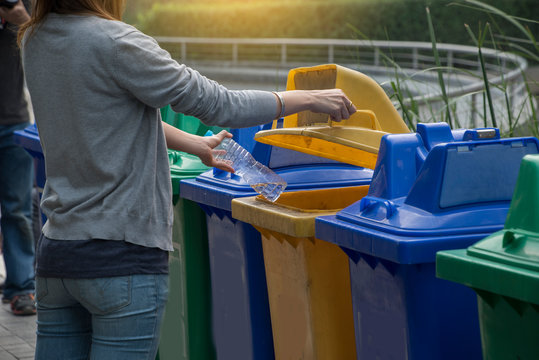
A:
16, 182
126, 315
64, 327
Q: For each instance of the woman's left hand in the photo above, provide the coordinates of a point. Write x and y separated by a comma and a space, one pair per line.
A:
208, 157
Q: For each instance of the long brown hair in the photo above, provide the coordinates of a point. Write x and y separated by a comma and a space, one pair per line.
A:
107, 9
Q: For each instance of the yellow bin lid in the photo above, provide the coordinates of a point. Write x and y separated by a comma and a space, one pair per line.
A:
354, 141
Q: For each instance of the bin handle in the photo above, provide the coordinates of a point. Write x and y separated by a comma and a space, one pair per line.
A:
481, 134
389, 205
510, 237
375, 125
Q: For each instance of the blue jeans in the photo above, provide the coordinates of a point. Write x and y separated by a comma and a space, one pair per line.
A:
16, 182
106, 318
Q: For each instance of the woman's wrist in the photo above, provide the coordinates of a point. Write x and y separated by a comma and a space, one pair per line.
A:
281, 106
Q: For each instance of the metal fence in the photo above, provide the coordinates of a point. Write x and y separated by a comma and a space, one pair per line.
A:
410, 64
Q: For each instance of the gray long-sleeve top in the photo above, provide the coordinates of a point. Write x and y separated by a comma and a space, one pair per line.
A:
96, 87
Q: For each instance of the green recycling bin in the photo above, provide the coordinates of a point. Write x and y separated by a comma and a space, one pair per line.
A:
186, 330
503, 269
186, 123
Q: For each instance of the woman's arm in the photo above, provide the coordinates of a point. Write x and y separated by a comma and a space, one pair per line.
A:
332, 101
201, 146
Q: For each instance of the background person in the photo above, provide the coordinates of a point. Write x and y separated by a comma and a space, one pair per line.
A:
97, 85
16, 171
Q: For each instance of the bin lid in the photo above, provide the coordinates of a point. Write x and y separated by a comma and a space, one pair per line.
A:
189, 124
217, 188
294, 212
301, 171
460, 191
183, 166
28, 138
354, 141
506, 262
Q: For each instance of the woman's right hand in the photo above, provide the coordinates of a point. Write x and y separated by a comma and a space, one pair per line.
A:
333, 102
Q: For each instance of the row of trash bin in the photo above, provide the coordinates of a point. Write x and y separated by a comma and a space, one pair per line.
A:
353, 260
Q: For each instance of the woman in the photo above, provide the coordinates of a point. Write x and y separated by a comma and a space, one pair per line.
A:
96, 85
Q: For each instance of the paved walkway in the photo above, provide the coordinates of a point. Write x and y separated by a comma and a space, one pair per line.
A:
17, 333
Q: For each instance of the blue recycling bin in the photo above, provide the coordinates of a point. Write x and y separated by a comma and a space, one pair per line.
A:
240, 309
28, 138
434, 190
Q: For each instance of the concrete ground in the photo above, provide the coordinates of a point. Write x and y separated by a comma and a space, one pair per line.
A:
17, 333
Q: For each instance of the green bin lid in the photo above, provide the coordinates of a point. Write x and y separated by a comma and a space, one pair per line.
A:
506, 262
183, 166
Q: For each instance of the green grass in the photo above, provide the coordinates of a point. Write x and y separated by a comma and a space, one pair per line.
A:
513, 119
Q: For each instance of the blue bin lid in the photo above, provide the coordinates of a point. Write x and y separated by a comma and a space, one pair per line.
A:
217, 188
432, 190
301, 171
28, 138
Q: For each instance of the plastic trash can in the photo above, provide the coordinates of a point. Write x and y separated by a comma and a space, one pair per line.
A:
186, 328
308, 279
28, 138
240, 309
186, 123
431, 191
241, 317
503, 270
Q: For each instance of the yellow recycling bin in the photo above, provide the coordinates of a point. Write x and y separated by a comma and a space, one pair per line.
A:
308, 279
354, 141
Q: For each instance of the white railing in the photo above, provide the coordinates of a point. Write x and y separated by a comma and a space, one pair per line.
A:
412, 62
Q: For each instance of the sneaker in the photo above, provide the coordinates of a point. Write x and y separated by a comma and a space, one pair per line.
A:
23, 304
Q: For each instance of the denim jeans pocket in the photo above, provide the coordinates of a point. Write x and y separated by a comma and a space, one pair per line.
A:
41, 288
105, 295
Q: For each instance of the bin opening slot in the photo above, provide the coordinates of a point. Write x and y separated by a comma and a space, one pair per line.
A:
320, 200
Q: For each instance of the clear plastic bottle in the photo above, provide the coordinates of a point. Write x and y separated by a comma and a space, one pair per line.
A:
261, 178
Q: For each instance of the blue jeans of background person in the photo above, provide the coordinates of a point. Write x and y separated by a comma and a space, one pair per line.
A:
106, 318
16, 183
